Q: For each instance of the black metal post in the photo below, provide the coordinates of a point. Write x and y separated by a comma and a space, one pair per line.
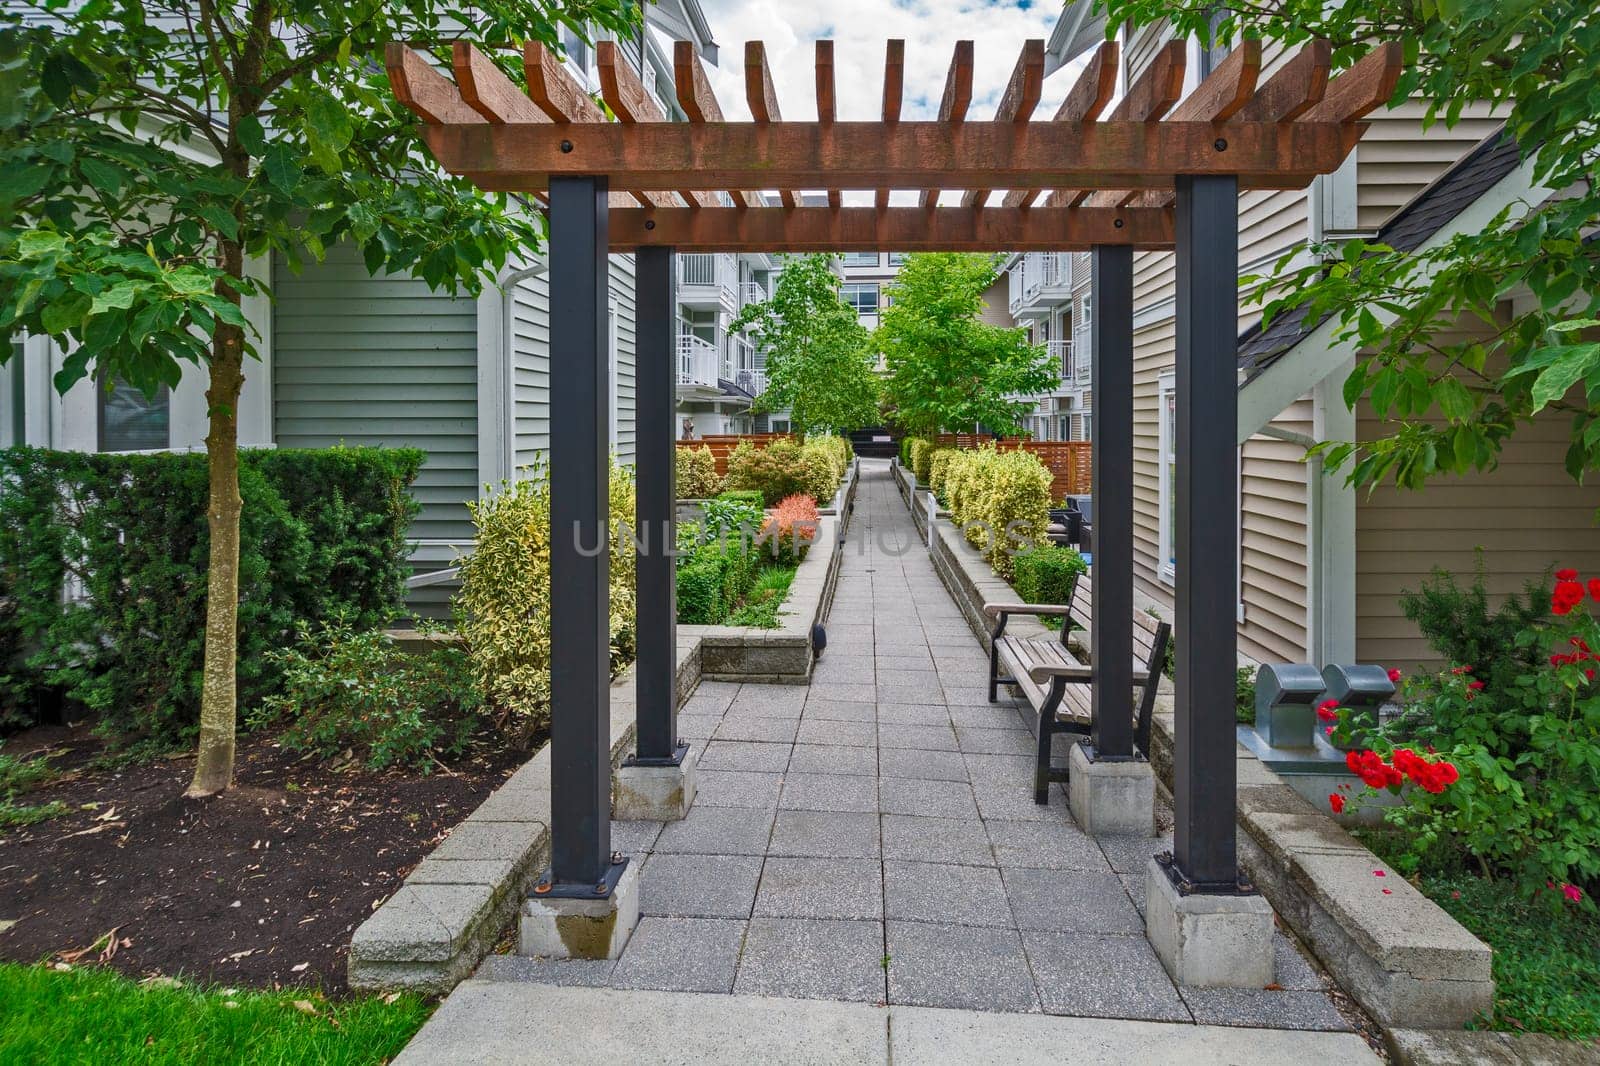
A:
655, 473
580, 565
1111, 632
1206, 531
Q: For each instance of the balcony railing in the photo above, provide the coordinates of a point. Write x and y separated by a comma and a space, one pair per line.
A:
1061, 355
752, 293
1039, 275
698, 361
752, 379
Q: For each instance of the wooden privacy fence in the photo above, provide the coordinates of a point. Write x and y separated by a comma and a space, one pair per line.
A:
1068, 461
723, 444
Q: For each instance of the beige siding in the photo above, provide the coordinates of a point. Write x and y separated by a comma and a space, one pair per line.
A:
1396, 159
1527, 515
1274, 536
997, 305
1143, 45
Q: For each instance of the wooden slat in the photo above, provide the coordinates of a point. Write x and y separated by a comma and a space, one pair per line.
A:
1294, 88
424, 90
894, 76
488, 91
1224, 92
953, 105
1147, 100
825, 101
699, 101
1088, 97
874, 155
1363, 88
566, 104
907, 229
1017, 102
628, 99
763, 98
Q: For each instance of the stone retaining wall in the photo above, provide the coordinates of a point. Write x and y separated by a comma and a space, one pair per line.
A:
432, 933
1405, 960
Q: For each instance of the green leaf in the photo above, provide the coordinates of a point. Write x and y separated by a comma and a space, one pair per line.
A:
283, 170
66, 312
328, 130
36, 244
104, 177
118, 297
252, 135
1564, 372
1454, 401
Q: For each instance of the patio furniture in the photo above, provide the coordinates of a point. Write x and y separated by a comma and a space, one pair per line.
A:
1057, 683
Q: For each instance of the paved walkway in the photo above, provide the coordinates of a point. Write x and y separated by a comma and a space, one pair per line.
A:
872, 837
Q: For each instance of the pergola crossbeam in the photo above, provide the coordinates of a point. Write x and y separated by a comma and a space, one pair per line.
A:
699, 102
826, 106
763, 99
1017, 103
625, 94
1147, 100
1221, 96
894, 76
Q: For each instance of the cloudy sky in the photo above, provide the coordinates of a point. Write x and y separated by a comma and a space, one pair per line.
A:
860, 27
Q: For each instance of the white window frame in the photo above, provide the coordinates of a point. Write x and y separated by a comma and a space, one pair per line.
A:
863, 286
616, 382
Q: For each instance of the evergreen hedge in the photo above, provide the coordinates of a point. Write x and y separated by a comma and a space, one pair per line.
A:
322, 531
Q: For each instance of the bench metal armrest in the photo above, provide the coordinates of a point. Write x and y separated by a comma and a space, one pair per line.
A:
1069, 674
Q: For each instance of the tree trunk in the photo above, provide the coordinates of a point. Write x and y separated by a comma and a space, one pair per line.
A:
213, 770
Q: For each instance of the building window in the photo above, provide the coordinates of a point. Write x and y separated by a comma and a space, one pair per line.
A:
860, 259
898, 258
861, 295
576, 47
1212, 50
130, 421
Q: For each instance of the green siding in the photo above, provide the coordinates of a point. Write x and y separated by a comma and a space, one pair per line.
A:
530, 340
380, 361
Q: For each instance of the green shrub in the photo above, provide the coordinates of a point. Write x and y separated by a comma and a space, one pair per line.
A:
1460, 625
766, 595
920, 451
827, 459
351, 689
699, 592
1244, 696
937, 461
748, 496
696, 473
732, 516
19, 775
1047, 574
319, 532
503, 607
775, 471
1000, 500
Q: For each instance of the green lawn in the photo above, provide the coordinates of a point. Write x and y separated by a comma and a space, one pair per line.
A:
96, 1016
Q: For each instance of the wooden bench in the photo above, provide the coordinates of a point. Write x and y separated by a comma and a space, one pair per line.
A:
1058, 683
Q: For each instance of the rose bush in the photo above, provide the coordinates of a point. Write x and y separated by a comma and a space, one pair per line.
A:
1512, 777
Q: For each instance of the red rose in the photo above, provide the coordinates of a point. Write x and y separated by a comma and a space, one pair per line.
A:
1327, 714
1567, 595
1594, 588
1336, 801
1476, 686
1394, 676
1567, 574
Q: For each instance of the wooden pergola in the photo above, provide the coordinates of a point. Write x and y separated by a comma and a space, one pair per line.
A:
1150, 173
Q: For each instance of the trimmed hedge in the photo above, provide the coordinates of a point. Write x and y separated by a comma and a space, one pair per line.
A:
322, 532
785, 468
1047, 574
1000, 500
696, 473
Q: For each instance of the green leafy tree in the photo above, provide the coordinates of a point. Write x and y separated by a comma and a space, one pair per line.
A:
149, 149
819, 363
948, 369
1450, 404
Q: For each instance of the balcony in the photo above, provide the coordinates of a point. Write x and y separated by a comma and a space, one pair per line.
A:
751, 293
699, 362
708, 279
752, 379
1039, 282
1073, 359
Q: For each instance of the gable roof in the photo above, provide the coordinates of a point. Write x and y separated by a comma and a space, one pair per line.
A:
1406, 230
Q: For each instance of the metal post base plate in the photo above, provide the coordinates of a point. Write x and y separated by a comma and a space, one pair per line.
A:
1239, 886
675, 759
548, 888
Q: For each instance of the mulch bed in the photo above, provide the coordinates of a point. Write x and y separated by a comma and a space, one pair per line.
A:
261, 886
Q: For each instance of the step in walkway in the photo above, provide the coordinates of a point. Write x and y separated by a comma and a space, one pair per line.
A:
872, 838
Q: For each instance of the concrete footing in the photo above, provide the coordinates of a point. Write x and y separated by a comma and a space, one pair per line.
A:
1208, 941
654, 793
1111, 797
581, 928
